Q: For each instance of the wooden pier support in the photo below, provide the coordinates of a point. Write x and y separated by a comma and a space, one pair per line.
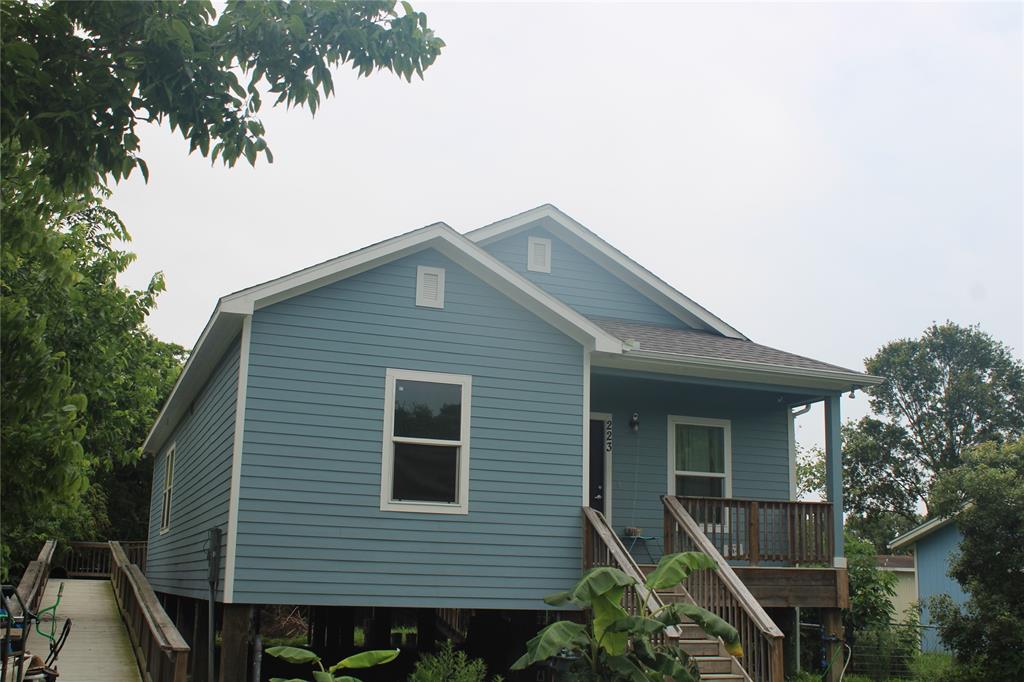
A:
236, 637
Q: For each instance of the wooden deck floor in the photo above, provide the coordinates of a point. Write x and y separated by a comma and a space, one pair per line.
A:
98, 649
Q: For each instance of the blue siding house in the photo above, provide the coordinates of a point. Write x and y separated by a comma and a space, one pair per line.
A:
435, 421
933, 544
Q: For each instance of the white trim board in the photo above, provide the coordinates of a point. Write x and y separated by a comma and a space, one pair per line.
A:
916, 534
231, 538
613, 260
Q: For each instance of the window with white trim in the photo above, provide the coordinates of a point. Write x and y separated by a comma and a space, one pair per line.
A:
700, 454
165, 509
538, 254
425, 464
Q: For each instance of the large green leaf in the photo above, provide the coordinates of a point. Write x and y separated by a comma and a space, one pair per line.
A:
551, 640
367, 659
675, 568
674, 614
290, 679
558, 598
626, 669
600, 581
636, 625
293, 654
322, 676
606, 610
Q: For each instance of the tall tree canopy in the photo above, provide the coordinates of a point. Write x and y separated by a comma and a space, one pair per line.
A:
986, 495
82, 377
951, 389
77, 77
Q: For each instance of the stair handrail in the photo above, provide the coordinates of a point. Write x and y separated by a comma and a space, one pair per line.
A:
624, 561
149, 626
723, 593
37, 573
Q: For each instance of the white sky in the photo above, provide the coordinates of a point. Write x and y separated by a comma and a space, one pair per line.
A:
825, 178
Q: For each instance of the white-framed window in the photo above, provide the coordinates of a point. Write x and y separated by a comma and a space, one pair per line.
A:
538, 254
165, 507
699, 457
425, 462
429, 287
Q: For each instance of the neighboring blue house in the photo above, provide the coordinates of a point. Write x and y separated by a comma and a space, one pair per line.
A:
419, 425
934, 543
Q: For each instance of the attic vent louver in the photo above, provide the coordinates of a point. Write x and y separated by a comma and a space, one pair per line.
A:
429, 287
538, 257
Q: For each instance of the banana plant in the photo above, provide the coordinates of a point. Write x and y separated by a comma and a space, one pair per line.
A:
299, 656
621, 647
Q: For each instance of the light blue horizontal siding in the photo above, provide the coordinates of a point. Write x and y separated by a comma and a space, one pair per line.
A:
202, 482
310, 526
580, 282
934, 553
760, 443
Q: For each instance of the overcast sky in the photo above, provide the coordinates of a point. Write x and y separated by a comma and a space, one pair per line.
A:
825, 178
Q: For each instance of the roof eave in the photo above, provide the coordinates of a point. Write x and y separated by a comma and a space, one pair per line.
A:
924, 530
828, 380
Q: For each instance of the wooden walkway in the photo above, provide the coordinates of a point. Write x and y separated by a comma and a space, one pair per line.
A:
98, 648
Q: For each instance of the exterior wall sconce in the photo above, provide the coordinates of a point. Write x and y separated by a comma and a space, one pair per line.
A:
634, 422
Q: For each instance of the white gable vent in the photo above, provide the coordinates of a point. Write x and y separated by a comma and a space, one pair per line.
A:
429, 287
538, 258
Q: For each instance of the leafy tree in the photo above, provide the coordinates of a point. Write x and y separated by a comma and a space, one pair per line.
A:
871, 588
953, 388
986, 495
810, 472
82, 378
77, 77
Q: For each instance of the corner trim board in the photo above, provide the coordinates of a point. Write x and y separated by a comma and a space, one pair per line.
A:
236, 462
586, 427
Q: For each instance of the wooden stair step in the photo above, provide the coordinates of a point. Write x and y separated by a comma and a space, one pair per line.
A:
699, 647
713, 664
721, 676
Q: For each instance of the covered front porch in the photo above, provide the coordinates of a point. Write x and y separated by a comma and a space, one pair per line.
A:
724, 454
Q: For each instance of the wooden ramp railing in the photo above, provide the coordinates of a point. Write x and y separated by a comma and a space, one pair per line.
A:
725, 595
33, 580
160, 650
93, 559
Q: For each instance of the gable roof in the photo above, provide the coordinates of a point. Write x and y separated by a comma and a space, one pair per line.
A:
915, 535
228, 317
610, 258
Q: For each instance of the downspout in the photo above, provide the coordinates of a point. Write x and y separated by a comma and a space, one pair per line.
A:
792, 448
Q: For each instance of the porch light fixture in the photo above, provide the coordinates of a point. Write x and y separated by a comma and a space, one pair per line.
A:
853, 390
634, 422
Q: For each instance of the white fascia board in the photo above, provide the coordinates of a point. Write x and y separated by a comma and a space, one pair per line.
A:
736, 370
640, 278
916, 534
221, 329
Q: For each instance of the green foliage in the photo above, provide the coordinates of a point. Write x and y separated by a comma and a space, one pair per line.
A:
953, 388
82, 377
871, 588
77, 77
986, 494
618, 646
930, 666
879, 528
299, 656
810, 472
449, 665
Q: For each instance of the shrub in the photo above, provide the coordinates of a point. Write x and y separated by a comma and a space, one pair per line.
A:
449, 665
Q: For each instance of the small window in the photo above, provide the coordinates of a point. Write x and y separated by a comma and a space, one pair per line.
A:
429, 287
699, 457
165, 509
426, 442
538, 254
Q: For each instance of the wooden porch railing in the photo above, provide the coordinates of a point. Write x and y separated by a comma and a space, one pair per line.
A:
725, 595
755, 531
160, 650
33, 580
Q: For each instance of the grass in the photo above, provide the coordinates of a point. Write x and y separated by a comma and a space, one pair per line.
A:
924, 668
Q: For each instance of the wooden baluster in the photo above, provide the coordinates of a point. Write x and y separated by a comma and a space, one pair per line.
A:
752, 533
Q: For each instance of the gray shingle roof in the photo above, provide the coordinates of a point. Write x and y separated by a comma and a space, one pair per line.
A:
699, 344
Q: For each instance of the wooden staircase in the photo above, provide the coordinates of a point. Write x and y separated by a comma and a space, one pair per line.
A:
602, 547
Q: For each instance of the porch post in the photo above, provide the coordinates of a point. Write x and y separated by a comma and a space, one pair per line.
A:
834, 474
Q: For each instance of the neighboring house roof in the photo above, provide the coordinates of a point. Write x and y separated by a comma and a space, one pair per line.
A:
895, 562
917, 534
606, 255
